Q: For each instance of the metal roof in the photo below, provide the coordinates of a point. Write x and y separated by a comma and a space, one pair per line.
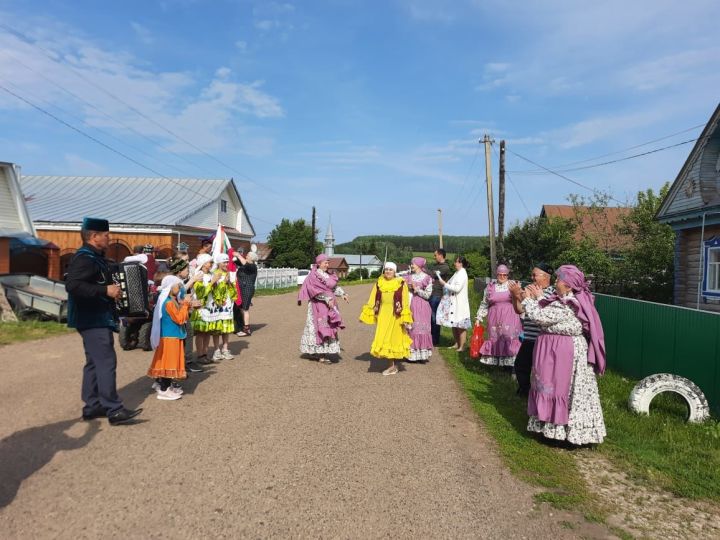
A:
354, 260
131, 200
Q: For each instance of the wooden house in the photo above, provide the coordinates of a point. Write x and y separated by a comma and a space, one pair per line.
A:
596, 223
158, 211
20, 248
692, 209
339, 265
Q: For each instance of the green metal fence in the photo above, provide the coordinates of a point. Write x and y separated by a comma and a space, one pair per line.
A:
644, 338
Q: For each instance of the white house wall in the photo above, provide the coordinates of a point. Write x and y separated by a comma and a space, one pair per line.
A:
13, 215
206, 217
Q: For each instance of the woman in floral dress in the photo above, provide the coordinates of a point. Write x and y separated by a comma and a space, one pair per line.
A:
420, 288
454, 308
503, 324
320, 336
564, 403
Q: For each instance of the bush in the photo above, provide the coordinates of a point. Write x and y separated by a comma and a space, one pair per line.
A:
375, 274
357, 274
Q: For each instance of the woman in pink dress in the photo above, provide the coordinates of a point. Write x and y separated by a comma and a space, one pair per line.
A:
420, 287
503, 327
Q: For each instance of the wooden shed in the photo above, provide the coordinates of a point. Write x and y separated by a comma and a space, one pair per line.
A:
692, 209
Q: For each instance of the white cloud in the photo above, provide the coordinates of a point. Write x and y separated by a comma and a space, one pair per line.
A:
142, 33
213, 113
241, 45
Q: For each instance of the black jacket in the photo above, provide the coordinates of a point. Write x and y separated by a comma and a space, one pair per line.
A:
444, 270
86, 283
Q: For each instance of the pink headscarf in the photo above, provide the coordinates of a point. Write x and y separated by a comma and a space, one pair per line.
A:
419, 261
584, 307
502, 269
320, 258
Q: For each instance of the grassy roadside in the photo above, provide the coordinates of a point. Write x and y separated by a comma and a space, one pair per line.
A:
492, 396
11, 332
661, 450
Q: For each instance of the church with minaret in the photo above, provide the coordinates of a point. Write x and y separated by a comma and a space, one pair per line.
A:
354, 261
329, 241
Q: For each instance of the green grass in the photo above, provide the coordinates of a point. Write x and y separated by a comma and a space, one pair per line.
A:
492, 396
661, 450
11, 332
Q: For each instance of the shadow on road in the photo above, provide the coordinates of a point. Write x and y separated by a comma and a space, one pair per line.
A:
378, 365
27, 451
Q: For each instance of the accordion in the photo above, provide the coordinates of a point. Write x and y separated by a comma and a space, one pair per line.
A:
134, 300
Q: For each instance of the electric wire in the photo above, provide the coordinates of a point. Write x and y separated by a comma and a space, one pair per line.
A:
517, 192
50, 55
654, 151
114, 150
622, 151
580, 184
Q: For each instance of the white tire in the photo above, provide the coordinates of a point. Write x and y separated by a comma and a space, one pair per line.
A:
646, 390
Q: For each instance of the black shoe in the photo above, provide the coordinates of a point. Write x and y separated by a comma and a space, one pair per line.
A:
96, 413
193, 367
123, 416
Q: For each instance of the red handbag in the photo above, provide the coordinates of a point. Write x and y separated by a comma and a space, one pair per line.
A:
477, 340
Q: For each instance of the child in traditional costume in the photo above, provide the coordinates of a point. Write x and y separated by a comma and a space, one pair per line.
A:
167, 338
388, 307
218, 293
200, 291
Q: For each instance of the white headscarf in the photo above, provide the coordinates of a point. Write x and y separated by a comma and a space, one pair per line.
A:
167, 283
391, 265
221, 258
203, 259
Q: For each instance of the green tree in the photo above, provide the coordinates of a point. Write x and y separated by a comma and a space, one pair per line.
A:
648, 265
537, 239
289, 241
479, 265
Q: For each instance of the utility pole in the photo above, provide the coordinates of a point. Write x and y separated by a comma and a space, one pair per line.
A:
314, 238
440, 227
501, 202
491, 213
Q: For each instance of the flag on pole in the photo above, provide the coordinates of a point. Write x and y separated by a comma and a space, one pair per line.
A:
221, 242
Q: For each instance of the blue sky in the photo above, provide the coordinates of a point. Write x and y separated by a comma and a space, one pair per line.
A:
369, 110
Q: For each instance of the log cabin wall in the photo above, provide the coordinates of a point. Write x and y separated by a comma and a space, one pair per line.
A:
687, 265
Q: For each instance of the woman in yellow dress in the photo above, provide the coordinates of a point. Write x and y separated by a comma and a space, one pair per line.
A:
388, 307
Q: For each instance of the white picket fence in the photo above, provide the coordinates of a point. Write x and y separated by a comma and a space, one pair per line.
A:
276, 278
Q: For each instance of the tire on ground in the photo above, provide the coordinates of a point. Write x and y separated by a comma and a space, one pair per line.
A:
144, 336
646, 390
124, 337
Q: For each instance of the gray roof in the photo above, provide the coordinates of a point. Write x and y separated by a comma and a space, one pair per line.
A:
354, 260
130, 200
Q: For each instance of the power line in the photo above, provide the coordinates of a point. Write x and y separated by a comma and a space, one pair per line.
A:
108, 147
459, 199
107, 134
620, 159
561, 167
597, 192
49, 54
517, 192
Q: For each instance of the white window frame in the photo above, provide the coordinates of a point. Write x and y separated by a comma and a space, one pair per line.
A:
711, 268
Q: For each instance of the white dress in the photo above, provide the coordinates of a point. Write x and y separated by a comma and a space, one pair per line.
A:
454, 308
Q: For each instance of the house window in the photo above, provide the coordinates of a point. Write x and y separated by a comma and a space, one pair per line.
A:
711, 282
223, 206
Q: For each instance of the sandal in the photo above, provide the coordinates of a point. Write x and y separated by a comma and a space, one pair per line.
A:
391, 371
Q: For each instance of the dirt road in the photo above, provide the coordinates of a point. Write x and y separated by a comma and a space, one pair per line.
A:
265, 445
